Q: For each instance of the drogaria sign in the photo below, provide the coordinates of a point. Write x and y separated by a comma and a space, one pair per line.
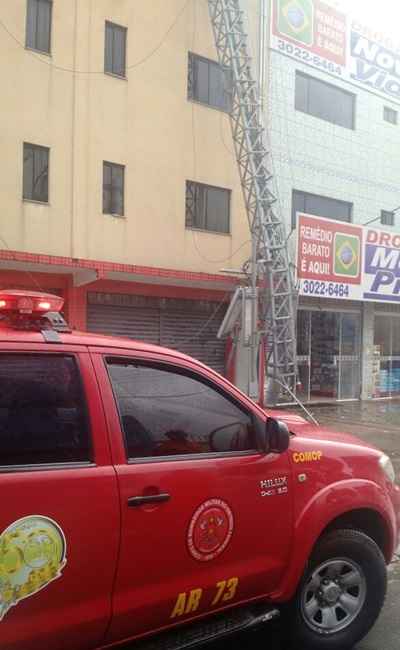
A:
346, 261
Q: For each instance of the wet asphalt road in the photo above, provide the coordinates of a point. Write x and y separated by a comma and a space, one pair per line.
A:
385, 635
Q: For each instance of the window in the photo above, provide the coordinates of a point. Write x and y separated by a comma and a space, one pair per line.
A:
115, 50
113, 189
387, 218
389, 115
168, 413
324, 100
320, 206
36, 173
42, 412
38, 25
207, 208
208, 83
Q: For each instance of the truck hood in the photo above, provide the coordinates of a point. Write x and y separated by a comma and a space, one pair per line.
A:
298, 426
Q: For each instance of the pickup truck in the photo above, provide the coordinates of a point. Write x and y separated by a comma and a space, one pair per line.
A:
145, 499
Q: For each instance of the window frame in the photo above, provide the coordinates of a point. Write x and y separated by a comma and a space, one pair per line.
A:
38, 467
35, 148
205, 187
387, 213
258, 425
115, 27
192, 77
318, 196
34, 47
112, 166
388, 111
300, 73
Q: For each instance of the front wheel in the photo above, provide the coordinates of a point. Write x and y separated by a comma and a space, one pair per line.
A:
341, 594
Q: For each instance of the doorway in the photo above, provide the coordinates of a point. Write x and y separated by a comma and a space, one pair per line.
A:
387, 356
328, 349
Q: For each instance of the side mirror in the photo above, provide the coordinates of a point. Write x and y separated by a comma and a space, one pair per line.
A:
277, 436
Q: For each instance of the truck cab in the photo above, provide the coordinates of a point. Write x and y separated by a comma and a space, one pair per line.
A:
146, 499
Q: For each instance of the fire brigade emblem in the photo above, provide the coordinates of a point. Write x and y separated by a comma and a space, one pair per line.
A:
32, 554
210, 530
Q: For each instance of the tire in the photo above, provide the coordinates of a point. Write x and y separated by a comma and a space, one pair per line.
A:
341, 593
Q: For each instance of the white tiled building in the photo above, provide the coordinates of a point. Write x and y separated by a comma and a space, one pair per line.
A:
336, 154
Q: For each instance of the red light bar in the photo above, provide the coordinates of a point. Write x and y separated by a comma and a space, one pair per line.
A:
29, 302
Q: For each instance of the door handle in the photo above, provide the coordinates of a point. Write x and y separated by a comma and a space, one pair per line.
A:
136, 502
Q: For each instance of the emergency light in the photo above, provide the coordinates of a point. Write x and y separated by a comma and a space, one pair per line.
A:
33, 311
29, 302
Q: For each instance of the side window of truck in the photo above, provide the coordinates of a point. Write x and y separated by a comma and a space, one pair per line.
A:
168, 412
43, 418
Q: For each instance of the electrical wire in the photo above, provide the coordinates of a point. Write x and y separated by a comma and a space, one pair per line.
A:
97, 72
213, 315
28, 273
296, 399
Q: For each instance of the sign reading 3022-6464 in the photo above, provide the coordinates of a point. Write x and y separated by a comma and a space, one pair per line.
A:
329, 258
316, 34
343, 260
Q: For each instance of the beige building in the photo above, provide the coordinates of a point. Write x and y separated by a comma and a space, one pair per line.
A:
120, 187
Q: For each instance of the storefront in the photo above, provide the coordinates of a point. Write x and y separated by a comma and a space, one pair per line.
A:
329, 355
387, 354
176, 309
348, 322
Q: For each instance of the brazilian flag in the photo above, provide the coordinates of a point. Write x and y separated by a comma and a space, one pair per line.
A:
347, 255
296, 20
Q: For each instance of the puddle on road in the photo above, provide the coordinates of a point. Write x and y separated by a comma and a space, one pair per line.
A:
368, 413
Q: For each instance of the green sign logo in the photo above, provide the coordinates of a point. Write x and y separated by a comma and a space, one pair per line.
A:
296, 20
347, 255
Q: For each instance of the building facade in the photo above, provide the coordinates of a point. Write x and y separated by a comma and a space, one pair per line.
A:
120, 189
333, 95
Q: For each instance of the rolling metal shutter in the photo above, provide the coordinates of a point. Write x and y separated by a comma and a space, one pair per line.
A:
120, 315
186, 325
195, 333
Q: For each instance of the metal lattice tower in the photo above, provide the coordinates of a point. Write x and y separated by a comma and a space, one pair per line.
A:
268, 231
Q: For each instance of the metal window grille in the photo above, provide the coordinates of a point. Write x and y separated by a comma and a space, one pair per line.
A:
209, 83
207, 207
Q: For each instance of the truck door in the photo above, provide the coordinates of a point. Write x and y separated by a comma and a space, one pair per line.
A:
59, 515
206, 517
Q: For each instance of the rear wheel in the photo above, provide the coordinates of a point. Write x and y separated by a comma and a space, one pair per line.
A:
341, 594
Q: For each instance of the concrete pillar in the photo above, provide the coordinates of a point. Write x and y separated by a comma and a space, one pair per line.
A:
76, 307
367, 351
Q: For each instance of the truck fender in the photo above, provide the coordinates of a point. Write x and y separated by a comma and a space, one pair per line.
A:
328, 504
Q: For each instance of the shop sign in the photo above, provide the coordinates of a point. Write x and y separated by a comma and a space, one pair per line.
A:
346, 261
320, 36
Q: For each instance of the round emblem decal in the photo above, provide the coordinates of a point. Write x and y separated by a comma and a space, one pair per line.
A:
210, 530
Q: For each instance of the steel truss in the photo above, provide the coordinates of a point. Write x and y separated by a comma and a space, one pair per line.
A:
268, 231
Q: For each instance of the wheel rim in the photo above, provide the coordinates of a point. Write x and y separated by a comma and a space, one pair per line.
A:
333, 596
